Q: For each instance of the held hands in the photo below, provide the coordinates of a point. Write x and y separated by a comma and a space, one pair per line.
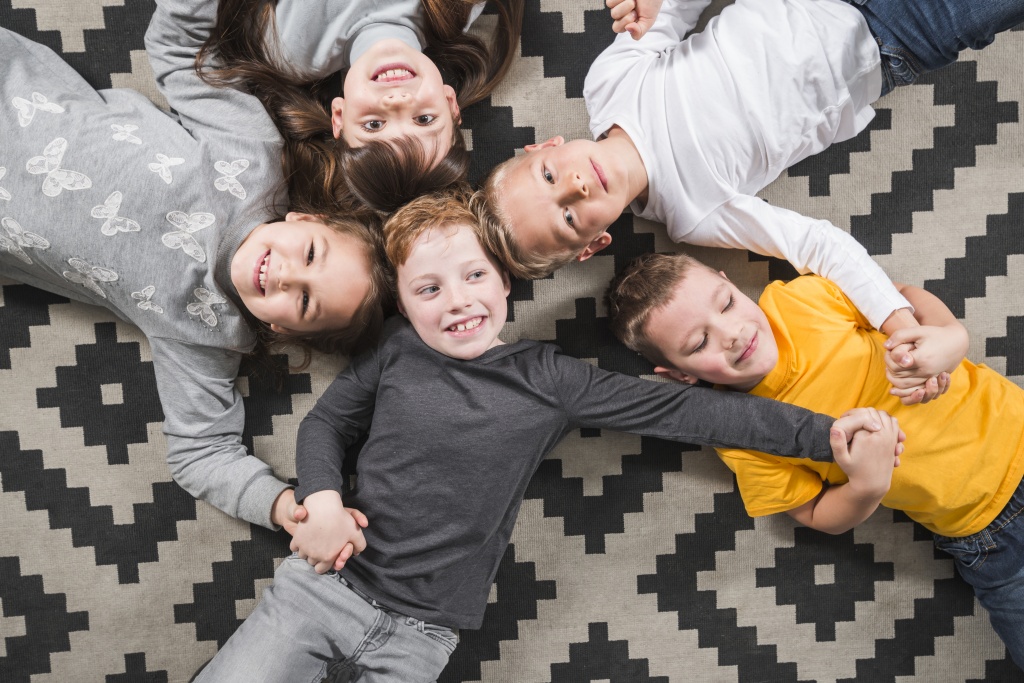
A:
330, 534
867, 444
919, 360
633, 16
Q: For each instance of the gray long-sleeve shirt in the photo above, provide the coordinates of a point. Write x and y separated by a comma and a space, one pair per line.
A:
108, 200
452, 446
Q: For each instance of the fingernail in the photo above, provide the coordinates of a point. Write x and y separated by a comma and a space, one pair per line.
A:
875, 425
836, 433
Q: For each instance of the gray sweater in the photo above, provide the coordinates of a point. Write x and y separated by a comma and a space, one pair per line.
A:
452, 446
108, 200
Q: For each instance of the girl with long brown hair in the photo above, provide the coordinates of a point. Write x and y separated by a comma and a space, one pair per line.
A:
393, 134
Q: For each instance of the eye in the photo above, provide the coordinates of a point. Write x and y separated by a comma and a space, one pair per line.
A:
429, 289
732, 300
373, 126
424, 119
309, 256
568, 218
476, 275
547, 176
703, 343
305, 302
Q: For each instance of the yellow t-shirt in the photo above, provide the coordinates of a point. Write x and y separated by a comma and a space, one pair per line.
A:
963, 457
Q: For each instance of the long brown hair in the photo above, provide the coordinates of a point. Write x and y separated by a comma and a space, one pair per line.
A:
243, 50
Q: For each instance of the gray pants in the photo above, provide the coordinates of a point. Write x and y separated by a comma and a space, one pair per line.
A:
312, 627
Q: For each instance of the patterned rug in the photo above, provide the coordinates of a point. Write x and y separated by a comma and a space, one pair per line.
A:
633, 560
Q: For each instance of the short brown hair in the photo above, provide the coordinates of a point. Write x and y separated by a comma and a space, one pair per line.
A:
428, 212
498, 235
644, 286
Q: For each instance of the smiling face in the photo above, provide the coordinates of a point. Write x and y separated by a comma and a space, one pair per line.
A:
453, 293
562, 196
300, 276
711, 331
395, 91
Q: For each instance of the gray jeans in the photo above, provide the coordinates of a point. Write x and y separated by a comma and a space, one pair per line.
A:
317, 628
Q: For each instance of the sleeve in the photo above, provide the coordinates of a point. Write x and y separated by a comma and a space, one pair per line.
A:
341, 416
593, 397
811, 245
176, 32
769, 485
203, 420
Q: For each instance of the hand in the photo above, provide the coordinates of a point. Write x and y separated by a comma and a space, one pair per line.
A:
918, 356
286, 512
633, 16
330, 534
862, 419
868, 460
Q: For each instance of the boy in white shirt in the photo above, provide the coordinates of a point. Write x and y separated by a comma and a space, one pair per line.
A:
688, 130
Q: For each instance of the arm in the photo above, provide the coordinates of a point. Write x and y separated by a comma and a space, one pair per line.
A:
593, 397
868, 463
634, 17
203, 420
176, 32
928, 351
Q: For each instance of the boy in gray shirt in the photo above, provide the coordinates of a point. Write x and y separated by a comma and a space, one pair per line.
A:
460, 422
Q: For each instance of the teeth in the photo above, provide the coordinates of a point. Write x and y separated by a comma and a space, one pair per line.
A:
468, 325
393, 73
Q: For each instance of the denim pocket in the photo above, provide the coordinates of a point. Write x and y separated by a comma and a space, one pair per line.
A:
443, 635
969, 552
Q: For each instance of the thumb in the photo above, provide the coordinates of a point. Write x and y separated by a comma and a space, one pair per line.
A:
840, 449
635, 30
299, 513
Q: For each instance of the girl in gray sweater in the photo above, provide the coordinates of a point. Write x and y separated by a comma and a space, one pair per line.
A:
173, 223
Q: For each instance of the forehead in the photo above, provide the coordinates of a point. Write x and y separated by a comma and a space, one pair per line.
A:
440, 247
690, 302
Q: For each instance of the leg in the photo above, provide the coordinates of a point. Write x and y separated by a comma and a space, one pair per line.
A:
416, 651
992, 561
917, 36
305, 624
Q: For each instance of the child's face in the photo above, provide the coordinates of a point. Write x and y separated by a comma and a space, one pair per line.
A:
301, 276
453, 293
562, 196
710, 330
395, 91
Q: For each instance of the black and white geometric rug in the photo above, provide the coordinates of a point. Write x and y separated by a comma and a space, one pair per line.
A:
633, 560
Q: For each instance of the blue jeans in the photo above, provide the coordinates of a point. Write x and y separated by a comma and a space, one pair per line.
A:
917, 36
318, 628
992, 561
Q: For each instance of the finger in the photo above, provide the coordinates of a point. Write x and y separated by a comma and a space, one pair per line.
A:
339, 564
359, 517
636, 32
896, 462
358, 544
906, 391
345, 553
901, 437
914, 398
322, 567
299, 513
624, 9
612, 3
858, 419
944, 382
840, 451
620, 25
292, 546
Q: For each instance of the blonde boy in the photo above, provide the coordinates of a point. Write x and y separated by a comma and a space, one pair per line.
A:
807, 344
458, 422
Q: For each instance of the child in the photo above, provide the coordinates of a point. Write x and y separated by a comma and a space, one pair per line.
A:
808, 345
172, 225
458, 423
395, 130
688, 130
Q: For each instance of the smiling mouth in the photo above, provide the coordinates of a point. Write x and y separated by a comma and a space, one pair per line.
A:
466, 325
393, 73
749, 351
600, 174
260, 273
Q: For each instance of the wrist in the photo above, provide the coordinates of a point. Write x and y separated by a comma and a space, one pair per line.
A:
280, 512
899, 319
868, 491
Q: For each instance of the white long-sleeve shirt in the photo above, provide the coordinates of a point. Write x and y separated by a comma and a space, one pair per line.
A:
719, 115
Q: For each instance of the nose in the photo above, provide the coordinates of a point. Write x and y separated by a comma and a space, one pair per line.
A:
574, 187
287, 276
458, 298
394, 100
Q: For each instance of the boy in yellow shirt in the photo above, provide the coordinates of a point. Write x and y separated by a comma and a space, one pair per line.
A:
807, 344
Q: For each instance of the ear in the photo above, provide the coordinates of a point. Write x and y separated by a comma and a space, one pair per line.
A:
506, 281
401, 308
722, 273
296, 216
337, 107
677, 375
598, 243
550, 142
453, 104
278, 329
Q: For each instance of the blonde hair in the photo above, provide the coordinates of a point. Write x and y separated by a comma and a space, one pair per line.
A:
498, 233
645, 285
